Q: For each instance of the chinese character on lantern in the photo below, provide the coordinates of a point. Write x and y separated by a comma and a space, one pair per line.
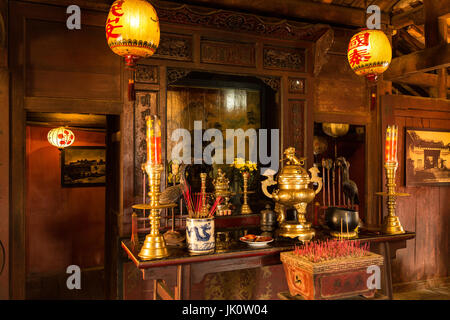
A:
359, 40
358, 56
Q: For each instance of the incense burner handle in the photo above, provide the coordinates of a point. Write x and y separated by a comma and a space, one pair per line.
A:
315, 178
265, 184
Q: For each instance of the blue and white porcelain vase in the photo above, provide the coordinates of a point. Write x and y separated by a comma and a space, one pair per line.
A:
200, 238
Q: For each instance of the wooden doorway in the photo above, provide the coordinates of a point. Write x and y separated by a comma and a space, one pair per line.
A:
67, 220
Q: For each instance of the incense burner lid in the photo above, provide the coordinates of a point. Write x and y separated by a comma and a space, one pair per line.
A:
293, 177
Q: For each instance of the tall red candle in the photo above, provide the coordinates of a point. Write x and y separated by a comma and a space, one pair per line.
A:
387, 148
153, 139
394, 143
390, 152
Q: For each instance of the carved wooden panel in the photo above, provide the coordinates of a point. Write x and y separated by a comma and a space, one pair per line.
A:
297, 85
284, 58
228, 53
147, 74
297, 124
174, 46
145, 105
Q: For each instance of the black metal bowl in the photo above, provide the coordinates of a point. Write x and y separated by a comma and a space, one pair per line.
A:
334, 215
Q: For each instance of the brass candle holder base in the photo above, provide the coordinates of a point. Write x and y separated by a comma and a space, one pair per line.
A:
292, 229
154, 247
245, 209
345, 235
392, 225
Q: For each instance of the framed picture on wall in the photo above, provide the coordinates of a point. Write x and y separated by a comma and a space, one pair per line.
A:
83, 166
427, 157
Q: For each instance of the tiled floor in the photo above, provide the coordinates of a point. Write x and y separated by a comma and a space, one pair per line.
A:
441, 293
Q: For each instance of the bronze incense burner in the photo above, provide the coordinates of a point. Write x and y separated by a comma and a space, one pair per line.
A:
293, 192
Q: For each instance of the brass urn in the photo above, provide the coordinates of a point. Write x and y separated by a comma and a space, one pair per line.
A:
293, 192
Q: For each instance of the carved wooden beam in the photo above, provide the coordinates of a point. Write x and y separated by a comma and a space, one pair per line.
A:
233, 21
175, 74
272, 82
419, 61
300, 9
422, 79
404, 19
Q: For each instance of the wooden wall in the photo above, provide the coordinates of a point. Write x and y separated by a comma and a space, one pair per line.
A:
427, 210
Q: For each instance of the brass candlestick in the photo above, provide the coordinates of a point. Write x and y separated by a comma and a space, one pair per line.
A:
391, 224
154, 245
245, 209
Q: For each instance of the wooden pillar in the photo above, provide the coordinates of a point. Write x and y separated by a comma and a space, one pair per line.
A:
436, 30
4, 154
442, 85
435, 22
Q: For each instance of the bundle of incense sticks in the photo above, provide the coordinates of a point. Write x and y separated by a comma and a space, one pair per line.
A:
319, 251
194, 204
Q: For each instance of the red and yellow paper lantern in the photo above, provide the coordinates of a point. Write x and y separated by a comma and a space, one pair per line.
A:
369, 53
60, 137
132, 29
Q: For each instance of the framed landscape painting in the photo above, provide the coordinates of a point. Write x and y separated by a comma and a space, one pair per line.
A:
83, 166
427, 157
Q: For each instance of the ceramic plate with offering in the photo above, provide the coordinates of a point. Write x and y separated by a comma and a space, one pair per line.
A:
256, 241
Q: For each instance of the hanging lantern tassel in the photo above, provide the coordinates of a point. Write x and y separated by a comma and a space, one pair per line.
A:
131, 90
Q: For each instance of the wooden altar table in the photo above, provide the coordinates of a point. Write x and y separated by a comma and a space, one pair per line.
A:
191, 269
